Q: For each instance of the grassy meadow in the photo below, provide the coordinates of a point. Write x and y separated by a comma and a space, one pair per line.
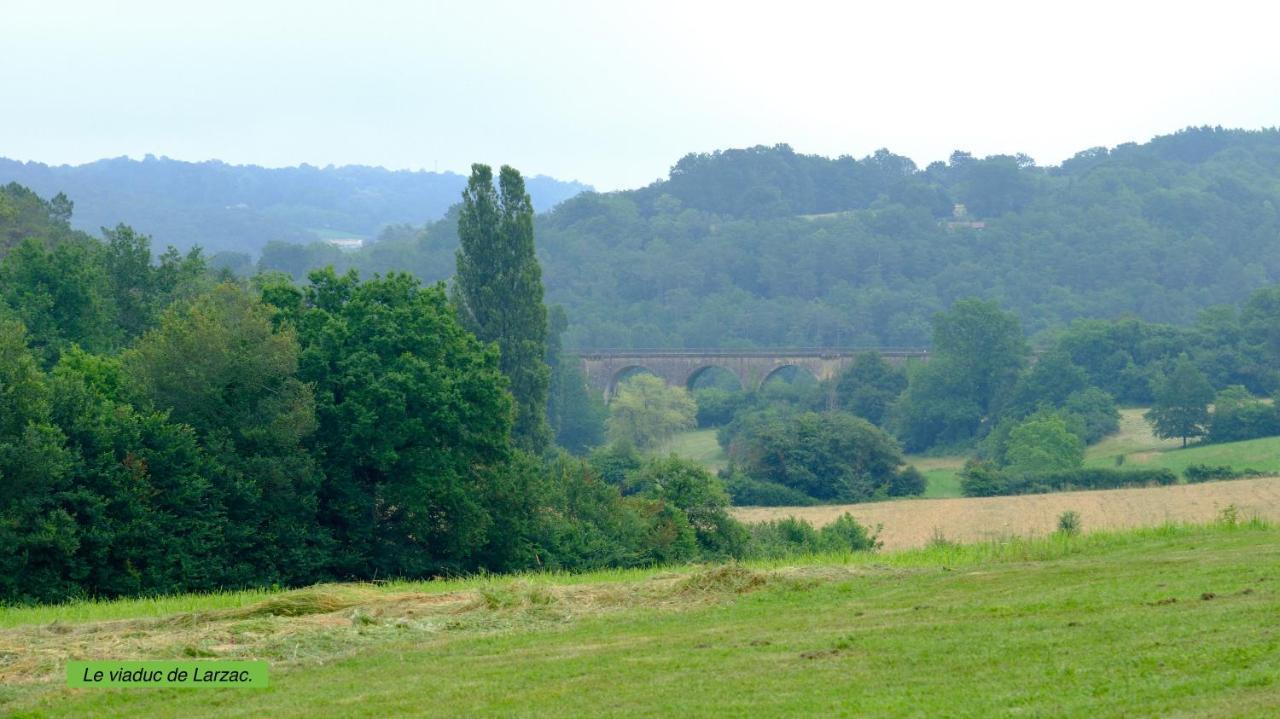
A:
1133, 446
1173, 621
698, 445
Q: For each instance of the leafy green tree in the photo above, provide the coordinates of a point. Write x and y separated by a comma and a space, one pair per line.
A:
576, 413
1260, 324
830, 456
700, 495
25, 215
1091, 414
1047, 383
128, 268
646, 412
982, 479
847, 534
1043, 443
38, 536
414, 424
717, 407
589, 524
986, 346
1238, 415
1182, 400
499, 292
978, 351
869, 387
144, 495
908, 482
580, 412
612, 463
219, 365
939, 407
61, 294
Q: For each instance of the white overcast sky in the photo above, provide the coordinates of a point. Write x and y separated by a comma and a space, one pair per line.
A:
613, 93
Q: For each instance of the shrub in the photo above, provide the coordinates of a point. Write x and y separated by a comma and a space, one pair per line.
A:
614, 462
700, 495
747, 492
1069, 523
1229, 516
790, 537
782, 538
1238, 415
908, 482
830, 456
717, 407
847, 534
1196, 473
1043, 443
1101, 478
1092, 414
979, 479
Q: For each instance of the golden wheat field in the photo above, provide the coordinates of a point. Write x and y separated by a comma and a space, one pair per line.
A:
914, 522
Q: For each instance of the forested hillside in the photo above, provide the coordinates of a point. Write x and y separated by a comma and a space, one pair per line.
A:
239, 208
764, 246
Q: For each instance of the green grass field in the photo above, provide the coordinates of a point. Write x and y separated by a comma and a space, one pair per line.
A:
1169, 622
1260, 454
1134, 441
699, 445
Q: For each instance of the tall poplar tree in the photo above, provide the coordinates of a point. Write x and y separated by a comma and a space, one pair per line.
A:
499, 292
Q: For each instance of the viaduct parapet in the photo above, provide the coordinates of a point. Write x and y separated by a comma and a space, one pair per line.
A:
681, 368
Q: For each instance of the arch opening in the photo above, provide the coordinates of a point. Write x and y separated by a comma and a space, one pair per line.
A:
713, 377
789, 375
792, 384
623, 375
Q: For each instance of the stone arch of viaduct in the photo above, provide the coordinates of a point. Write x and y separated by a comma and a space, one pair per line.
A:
604, 368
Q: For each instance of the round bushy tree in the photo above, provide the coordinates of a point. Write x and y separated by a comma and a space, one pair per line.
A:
646, 411
830, 456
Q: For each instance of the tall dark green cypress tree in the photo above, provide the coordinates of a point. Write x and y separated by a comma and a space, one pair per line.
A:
499, 292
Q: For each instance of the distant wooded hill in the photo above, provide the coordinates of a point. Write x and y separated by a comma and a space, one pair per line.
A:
767, 247
240, 208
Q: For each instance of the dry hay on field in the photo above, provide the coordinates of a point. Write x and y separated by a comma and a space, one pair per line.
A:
914, 522
329, 621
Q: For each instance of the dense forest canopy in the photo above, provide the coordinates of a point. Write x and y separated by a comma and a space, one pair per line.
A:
768, 247
239, 208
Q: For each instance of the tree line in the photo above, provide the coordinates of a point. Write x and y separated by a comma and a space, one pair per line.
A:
1023, 415
166, 427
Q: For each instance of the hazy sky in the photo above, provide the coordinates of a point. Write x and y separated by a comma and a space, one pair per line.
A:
613, 93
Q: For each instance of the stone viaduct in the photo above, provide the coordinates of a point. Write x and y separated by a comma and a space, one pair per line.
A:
681, 368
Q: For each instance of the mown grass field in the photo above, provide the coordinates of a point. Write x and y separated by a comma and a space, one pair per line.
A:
1176, 621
